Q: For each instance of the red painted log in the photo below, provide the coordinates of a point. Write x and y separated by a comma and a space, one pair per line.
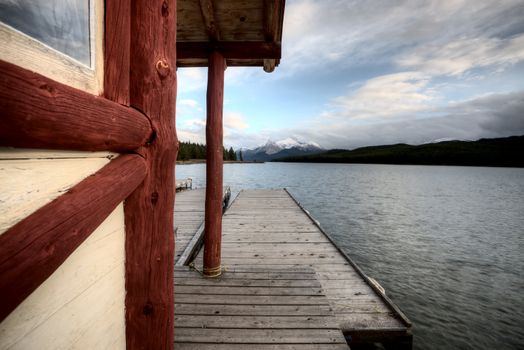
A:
37, 112
238, 50
149, 209
214, 167
117, 50
34, 248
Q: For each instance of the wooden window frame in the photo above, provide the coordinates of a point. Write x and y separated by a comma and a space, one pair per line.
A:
34, 55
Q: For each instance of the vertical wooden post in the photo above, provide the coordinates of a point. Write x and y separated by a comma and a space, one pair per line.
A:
117, 50
149, 209
214, 165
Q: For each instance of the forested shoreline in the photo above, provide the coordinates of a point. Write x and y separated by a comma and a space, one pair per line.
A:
190, 150
505, 151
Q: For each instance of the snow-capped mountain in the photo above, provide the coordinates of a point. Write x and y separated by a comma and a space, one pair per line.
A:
283, 148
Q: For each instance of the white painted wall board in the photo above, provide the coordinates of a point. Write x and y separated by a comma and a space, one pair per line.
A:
80, 306
29, 153
28, 184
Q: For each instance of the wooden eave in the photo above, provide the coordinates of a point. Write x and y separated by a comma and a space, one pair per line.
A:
245, 32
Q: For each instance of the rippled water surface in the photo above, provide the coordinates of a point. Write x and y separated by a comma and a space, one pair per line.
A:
447, 243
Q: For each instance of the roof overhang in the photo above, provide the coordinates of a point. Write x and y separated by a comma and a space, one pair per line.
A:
245, 32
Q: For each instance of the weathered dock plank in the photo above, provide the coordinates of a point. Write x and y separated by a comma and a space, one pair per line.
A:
266, 230
257, 336
189, 222
189, 216
302, 322
302, 346
225, 314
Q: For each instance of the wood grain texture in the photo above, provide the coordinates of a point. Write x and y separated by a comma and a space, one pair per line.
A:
247, 33
38, 112
117, 51
239, 50
208, 16
149, 209
24, 153
81, 305
28, 184
267, 230
189, 217
29, 53
214, 165
34, 248
249, 315
302, 346
273, 22
218, 321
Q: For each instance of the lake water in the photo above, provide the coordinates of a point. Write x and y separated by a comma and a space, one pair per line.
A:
447, 243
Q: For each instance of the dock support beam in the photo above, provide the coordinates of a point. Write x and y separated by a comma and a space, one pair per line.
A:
214, 167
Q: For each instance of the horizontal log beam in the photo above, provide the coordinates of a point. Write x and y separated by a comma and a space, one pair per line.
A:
237, 49
208, 16
271, 8
34, 248
37, 112
269, 65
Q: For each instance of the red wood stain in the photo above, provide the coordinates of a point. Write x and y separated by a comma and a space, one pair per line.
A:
149, 209
117, 50
214, 168
38, 112
35, 247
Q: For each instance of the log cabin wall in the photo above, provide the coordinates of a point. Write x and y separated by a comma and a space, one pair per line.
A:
81, 304
79, 298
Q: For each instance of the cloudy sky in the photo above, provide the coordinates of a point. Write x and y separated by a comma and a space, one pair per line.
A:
357, 73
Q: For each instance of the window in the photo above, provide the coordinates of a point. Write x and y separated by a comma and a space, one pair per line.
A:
61, 39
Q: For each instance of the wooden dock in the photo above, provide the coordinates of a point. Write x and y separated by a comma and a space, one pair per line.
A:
189, 221
267, 230
254, 309
189, 217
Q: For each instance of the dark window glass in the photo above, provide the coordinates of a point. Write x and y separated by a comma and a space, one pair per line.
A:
61, 24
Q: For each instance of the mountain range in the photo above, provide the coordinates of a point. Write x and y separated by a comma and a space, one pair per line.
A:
288, 147
504, 151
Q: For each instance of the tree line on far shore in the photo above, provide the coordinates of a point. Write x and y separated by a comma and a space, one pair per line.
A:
504, 151
190, 150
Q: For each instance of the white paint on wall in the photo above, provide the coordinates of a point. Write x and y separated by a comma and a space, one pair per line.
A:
80, 306
28, 153
30, 180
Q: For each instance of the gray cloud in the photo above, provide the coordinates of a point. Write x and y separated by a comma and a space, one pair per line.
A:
496, 115
318, 33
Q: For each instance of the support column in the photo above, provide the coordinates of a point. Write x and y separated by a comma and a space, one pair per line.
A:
214, 165
149, 209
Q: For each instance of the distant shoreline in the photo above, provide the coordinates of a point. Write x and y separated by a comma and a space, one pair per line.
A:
496, 152
203, 161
